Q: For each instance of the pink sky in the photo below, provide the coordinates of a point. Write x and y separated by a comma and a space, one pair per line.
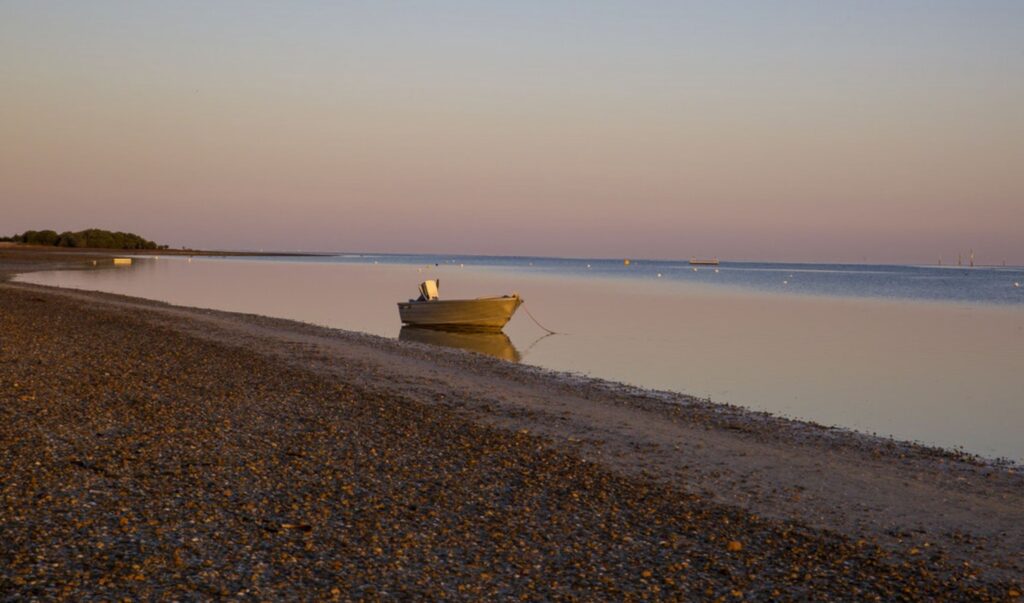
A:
892, 132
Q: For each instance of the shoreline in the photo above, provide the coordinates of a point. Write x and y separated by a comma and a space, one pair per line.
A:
101, 251
903, 497
873, 435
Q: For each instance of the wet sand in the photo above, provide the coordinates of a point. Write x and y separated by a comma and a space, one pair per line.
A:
149, 450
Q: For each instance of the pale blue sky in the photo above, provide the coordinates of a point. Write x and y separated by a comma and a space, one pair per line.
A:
762, 130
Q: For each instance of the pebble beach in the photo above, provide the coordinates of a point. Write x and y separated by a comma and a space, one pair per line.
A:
150, 451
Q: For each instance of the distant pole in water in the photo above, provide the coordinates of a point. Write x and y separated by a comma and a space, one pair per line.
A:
972, 258
959, 259
940, 260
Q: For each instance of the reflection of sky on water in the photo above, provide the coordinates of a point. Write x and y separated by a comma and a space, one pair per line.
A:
989, 284
941, 373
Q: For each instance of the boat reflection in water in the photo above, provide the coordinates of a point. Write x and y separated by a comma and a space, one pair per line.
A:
495, 344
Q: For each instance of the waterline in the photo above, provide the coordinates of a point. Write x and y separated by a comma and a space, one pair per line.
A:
940, 373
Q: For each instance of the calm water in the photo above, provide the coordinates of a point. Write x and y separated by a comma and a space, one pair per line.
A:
921, 353
989, 285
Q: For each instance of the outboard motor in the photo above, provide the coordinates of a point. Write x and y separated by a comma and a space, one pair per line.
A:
428, 290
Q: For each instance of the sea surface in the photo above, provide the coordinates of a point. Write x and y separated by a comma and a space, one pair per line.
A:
924, 353
988, 284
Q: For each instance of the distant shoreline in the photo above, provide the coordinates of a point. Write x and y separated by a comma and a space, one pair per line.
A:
186, 252
634, 260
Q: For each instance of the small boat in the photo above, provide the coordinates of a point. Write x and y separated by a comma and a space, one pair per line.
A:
481, 314
696, 262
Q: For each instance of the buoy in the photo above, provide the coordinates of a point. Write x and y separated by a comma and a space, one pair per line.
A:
659, 275
1015, 284
588, 266
695, 270
462, 265
625, 262
716, 270
785, 282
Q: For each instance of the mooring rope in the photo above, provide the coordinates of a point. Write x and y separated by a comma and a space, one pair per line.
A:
537, 322
526, 352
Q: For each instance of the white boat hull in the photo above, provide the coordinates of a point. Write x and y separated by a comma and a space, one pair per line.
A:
485, 314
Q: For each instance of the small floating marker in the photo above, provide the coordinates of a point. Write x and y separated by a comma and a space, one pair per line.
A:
716, 270
625, 262
94, 262
785, 282
695, 270
588, 266
462, 265
1016, 284
659, 275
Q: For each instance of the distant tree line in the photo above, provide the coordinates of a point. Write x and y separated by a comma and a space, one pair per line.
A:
92, 237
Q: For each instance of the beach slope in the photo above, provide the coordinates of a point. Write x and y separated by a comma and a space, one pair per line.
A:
148, 450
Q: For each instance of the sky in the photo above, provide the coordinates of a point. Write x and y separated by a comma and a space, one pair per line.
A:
880, 131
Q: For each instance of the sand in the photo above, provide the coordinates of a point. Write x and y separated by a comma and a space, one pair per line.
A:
160, 451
